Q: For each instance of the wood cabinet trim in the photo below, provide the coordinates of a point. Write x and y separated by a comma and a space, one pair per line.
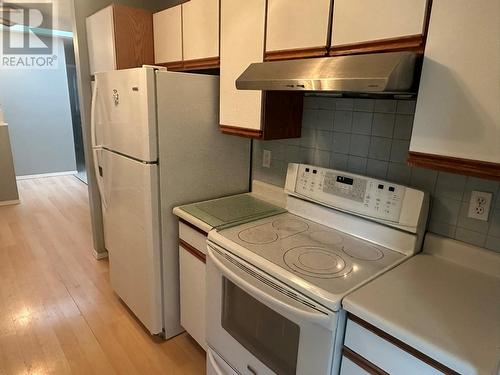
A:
193, 251
298, 53
476, 168
173, 65
408, 43
194, 227
242, 132
362, 362
401, 345
204, 63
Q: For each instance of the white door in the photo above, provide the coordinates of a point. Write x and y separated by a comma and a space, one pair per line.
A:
132, 232
101, 40
125, 101
297, 24
200, 29
167, 31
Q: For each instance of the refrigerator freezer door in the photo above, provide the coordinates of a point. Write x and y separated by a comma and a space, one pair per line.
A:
132, 230
126, 114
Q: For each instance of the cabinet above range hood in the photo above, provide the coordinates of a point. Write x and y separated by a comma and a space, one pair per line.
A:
381, 73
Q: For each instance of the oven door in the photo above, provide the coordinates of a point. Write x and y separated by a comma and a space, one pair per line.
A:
260, 325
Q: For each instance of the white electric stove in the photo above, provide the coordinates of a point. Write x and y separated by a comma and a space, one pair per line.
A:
277, 284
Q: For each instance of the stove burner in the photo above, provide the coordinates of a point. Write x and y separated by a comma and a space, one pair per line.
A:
363, 252
258, 235
290, 225
327, 237
316, 262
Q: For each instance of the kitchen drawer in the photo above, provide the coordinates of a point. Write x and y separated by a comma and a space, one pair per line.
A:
368, 347
193, 237
349, 367
192, 250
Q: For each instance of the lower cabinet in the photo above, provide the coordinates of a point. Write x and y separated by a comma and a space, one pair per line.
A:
192, 255
369, 350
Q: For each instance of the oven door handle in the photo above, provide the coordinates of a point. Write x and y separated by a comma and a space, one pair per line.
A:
321, 318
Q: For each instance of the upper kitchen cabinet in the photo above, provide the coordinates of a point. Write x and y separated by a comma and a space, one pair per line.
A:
457, 119
252, 113
200, 34
167, 26
361, 26
297, 28
119, 37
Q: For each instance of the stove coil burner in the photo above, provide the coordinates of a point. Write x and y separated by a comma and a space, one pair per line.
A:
290, 225
316, 262
259, 235
363, 252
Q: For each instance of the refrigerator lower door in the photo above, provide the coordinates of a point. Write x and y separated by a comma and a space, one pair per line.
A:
132, 232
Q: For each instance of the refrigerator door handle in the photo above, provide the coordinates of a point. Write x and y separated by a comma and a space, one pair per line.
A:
93, 115
96, 148
99, 175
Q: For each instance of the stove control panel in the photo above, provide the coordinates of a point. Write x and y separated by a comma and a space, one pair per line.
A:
364, 195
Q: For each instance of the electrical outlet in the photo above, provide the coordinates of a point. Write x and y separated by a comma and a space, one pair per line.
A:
266, 159
479, 206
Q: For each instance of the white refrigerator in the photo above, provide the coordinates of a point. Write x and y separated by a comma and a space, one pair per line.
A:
156, 145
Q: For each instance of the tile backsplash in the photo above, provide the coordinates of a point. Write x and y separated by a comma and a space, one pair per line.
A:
372, 137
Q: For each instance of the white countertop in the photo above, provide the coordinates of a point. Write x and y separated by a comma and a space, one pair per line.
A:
444, 302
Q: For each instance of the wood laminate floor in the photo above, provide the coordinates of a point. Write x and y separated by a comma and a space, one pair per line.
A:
58, 313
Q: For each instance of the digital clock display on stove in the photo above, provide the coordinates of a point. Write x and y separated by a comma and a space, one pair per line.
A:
345, 180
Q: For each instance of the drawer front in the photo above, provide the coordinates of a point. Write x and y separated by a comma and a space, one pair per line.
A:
193, 237
385, 354
192, 295
348, 367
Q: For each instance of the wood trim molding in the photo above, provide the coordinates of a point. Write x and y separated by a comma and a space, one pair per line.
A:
205, 63
362, 362
172, 65
476, 168
242, 132
407, 43
193, 251
192, 226
298, 53
401, 345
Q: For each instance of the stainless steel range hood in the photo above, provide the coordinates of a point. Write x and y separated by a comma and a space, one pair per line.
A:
372, 73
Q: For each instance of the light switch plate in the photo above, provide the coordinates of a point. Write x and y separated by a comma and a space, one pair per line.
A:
479, 205
266, 159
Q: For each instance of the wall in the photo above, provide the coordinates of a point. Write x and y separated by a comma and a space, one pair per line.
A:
371, 137
8, 186
81, 10
36, 106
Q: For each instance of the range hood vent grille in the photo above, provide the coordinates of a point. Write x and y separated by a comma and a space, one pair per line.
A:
391, 72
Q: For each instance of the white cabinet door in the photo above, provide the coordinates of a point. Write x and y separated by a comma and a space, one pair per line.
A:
242, 43
200, 29
297, 24
167, 30
359, 21
458, 106
101, 41
192, 295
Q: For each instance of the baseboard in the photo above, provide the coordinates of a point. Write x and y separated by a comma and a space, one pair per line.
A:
7, 203
43, 175
100, 256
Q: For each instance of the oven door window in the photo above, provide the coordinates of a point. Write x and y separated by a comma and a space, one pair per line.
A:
269, 336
